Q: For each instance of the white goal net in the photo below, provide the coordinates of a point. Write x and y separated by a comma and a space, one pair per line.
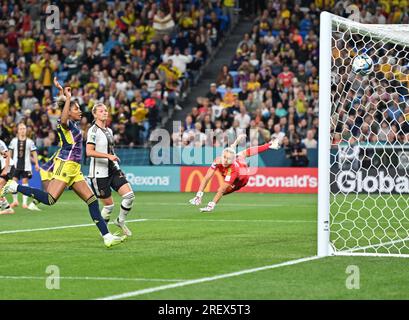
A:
363, 169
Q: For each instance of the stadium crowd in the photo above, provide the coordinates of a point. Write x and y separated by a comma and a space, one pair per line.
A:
271, 84
138, 57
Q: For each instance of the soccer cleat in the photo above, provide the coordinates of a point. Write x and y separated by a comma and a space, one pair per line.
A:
7, 211
111, 240
24, 206
10, 187
33, 207
123, 227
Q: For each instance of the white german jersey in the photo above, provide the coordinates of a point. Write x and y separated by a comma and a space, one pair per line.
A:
21, 153
3, 149
103, 140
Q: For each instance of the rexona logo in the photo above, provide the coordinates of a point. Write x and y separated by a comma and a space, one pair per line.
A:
294, 181
348, 181
148, 180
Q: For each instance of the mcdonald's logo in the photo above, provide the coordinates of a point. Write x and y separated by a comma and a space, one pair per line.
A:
190, 176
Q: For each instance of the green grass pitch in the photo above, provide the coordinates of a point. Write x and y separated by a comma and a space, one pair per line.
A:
175, 242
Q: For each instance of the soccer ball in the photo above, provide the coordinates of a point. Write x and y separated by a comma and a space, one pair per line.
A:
362, 64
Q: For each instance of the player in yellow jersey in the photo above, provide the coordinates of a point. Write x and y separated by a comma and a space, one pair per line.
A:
67, 169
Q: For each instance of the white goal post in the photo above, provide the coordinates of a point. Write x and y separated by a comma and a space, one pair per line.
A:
363, 189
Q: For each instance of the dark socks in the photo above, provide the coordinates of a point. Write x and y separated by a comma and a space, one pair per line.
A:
40, 195
93, 207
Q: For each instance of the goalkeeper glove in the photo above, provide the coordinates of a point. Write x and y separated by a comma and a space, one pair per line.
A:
274, 144
209, 208
198, 199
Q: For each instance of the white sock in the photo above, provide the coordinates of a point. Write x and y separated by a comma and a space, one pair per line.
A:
107, 236
15, 197
106, 212
126, 206
25, 197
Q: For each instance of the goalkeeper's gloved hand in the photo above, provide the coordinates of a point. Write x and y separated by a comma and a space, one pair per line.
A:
275, 144
197, 199
209, 208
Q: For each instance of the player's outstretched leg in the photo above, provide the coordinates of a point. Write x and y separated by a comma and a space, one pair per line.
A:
33, 206
42, 196
83, 190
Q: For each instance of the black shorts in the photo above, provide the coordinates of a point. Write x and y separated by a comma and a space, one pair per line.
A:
21, 174
102, 186
9, 175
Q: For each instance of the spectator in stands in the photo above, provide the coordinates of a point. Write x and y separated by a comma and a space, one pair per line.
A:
278, 133
224, 78
298, 153
213, 94
309, 141
242, 118
115, 53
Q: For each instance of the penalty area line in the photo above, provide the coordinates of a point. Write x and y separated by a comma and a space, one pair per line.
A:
60, 227
156, 220
206, 279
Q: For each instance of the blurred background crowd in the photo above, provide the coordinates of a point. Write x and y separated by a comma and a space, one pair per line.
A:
141, 57
271, 84
138, 57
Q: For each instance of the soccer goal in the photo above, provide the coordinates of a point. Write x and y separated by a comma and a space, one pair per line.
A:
363, 197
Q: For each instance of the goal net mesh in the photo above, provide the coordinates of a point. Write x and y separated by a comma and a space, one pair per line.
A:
369, 166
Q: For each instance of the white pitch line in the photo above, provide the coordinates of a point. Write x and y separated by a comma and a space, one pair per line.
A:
59, 227
142, 220
266, 205
91, 278
206, 279
233, 220
255, 205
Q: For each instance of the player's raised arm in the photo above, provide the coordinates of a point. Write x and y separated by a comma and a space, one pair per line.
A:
59, 87
66, 110
252, 151
197, 200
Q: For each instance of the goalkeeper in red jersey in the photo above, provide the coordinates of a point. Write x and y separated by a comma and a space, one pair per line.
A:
234, 170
